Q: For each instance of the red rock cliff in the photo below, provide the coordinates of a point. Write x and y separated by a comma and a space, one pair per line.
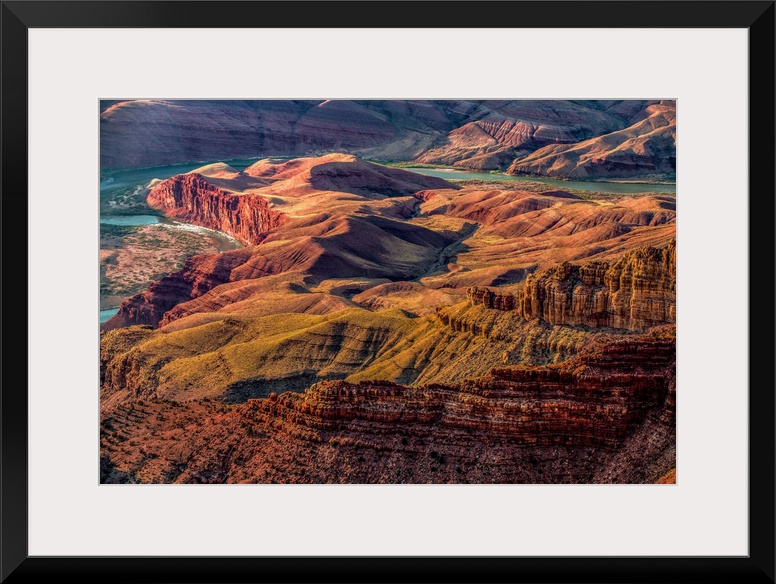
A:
567, 423
190, 198
636, 292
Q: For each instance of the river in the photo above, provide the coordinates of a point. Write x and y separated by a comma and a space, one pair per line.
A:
129, 220
125, 180
618, 188
107, 314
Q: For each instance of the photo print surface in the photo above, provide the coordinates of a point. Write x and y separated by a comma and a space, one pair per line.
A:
387, 291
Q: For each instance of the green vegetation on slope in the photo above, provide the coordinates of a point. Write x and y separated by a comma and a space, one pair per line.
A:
237, 358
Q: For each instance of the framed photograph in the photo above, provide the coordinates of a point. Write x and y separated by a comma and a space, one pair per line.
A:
380, 291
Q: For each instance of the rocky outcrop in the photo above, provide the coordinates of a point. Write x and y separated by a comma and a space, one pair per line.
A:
363, 246
351, 235
190, 198
646, 149
492, 299
566, 423
498, 132
636, 292
475, 134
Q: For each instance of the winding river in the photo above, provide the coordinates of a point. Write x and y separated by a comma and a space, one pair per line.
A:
114, 179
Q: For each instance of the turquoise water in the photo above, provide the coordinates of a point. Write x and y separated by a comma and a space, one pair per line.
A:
130, 220
107, 314
600, 187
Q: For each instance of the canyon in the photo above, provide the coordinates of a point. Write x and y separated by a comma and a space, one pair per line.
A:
189, 197
647, 148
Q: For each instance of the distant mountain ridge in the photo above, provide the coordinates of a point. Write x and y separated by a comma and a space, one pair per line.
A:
563, 138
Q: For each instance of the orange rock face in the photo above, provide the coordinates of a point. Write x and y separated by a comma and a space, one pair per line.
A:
593, 402
330, 237
636, 292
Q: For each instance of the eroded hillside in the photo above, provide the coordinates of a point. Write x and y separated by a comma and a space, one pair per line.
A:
383, 326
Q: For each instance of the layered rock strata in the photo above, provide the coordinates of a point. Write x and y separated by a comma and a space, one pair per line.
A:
576, 138
342, 217
636, 292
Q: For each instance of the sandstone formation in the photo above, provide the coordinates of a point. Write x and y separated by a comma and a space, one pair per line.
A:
593, 401
555, 425
636, 292
279, 346
516, 232
475, 134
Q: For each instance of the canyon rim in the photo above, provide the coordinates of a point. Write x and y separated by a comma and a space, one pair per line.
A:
387, 291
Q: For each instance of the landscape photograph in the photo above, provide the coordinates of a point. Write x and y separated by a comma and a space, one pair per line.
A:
451, 291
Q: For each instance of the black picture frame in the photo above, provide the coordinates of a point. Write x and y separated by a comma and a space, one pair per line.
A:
757, 17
